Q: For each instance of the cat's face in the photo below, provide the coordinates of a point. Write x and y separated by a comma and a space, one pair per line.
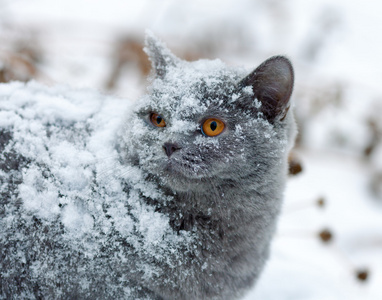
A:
194, 127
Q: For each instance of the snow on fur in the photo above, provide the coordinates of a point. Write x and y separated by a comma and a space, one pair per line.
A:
64, 145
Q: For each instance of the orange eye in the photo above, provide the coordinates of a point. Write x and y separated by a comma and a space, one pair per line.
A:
212, 127
157, 120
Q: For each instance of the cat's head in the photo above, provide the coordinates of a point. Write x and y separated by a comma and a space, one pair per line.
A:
203, 121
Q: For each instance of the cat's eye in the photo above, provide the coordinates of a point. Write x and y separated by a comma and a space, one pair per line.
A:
212, 127
157, 120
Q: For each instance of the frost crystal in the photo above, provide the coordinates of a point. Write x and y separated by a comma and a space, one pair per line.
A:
248, 90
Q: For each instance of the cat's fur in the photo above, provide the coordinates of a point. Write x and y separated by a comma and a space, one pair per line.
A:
192, 223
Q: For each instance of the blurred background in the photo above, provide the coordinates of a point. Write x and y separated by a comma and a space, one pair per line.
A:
329, 239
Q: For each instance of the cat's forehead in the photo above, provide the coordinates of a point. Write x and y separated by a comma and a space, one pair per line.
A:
192, 88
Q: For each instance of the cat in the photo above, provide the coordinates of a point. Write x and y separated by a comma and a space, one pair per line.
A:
173, 197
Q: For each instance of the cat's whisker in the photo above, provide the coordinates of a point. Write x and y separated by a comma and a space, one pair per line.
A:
97, 159
107, 172
113, 174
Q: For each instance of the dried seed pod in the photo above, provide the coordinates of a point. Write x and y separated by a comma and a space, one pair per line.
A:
362, 275
321, 202
326, 236
295, 166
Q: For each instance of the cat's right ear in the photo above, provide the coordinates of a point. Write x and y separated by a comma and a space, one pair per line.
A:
160, 56
272, 85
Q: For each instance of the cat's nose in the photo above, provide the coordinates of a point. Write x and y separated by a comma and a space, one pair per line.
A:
170, 148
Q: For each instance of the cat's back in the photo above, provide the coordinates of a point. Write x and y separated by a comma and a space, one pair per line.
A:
49, 139
51, 143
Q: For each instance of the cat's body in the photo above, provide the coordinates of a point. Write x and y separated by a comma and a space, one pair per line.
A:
160, 207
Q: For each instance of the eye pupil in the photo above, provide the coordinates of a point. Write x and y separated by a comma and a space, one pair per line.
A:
157, 120
213, 125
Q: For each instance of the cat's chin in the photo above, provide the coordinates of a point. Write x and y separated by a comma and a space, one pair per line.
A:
181, 177
183, 184
176, 173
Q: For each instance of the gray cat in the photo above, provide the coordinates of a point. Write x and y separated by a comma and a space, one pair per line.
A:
175, 199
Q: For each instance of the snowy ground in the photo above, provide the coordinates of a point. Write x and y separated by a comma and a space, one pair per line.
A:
305, 267
335, 47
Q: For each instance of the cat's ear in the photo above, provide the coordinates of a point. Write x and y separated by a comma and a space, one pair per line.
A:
160, 56
272, 85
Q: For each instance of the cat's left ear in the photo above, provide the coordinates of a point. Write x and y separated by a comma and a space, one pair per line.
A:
160, 56
272, 85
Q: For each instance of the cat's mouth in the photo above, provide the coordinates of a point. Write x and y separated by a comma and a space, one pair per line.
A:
183, 171
181, 176
180, 167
